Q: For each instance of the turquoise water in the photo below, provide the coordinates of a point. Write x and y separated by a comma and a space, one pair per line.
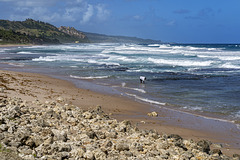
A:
199, 78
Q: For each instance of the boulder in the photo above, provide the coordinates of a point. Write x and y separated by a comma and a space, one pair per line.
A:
152, 114
59, 135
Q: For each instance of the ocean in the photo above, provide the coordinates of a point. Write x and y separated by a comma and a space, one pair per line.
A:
202, 79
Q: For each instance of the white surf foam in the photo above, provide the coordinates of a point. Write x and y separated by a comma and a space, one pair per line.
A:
154, 45
229, 65
165, 46
136, 89
177, 62
97, 77
2, 50
24, 52
197, 108
126, 59
143, 70
145, 99
237, 114
103, 63
17, 64
229, 58
59, 57
48, 58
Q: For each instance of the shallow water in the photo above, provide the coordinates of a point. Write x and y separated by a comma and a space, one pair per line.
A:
203, 79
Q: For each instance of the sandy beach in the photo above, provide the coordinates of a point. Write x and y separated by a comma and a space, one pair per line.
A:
14, 45
30, 86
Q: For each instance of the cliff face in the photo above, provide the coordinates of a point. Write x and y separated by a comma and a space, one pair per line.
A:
72, 31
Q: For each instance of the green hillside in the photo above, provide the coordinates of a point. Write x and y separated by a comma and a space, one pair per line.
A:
101, 38
35, 32
12, 37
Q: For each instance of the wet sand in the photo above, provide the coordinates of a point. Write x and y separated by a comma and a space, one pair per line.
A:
31, 86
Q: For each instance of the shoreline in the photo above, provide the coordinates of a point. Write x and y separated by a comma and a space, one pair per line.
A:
110, 90
30, 86
14, 45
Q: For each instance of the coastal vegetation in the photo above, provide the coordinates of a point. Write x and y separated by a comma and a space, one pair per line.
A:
102, 38
13, 37
37, 32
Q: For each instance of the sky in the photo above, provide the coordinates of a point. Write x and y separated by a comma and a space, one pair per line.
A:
181, 21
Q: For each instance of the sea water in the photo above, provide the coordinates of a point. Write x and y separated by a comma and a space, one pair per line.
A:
199, 78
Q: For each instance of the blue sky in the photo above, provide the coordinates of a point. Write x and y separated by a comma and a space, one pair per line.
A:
183, 21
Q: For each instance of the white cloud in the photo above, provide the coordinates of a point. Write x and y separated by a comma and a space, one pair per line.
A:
171, 23
102, 13
85, 12
88, 14
80, 11
31, 3
137, 17
37, 13
71, 14
79, 1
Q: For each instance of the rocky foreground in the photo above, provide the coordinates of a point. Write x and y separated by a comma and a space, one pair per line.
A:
53, 130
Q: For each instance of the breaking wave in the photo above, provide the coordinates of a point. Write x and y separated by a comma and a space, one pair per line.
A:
89, 78
145, 99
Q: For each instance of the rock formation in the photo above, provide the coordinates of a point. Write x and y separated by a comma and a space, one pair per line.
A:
54, 130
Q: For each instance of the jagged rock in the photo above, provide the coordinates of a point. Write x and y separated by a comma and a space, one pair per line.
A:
136, 146
59, 99
9, 156
236, 156
13, 111
111, 134
89, 155
186, 155
48, 141
72, 31
122, 147
153, 114
216, 151
30, 142
175, 137
3, 127
108, 144
99, 154
78, 152
92, 134
204, 146
64, 148
87, 115
15, 144
42, 123
2, 90
59, 135
72, 121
